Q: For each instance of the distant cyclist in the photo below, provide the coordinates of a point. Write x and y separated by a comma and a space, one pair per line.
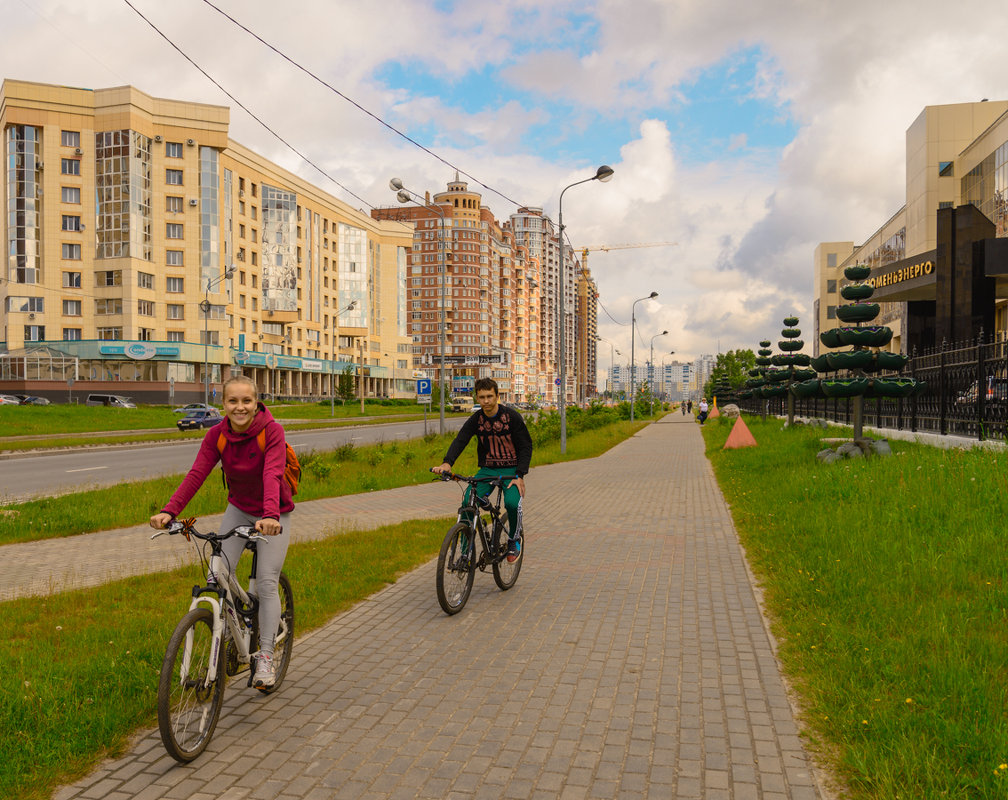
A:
503, 448
252, 450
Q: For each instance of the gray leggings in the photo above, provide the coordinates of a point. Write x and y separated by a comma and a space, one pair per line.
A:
271, 558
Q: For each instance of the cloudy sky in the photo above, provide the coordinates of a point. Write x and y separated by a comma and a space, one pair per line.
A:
745, 131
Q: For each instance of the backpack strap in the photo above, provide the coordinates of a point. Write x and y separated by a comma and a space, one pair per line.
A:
221, 442
261, 438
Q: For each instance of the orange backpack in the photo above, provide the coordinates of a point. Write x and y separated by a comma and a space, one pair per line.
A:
292, 469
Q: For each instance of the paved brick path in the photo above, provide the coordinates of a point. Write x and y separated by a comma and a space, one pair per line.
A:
630, 660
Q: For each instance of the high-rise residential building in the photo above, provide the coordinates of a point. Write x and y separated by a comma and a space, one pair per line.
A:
587, 334
703, 367
145, 245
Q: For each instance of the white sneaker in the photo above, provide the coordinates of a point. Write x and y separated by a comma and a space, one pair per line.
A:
265, 672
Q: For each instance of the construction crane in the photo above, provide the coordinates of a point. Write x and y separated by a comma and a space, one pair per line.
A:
607, 247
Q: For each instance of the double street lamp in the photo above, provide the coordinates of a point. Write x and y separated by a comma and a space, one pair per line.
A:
602, 174
633, 329
404, 195
205, 308
332, 388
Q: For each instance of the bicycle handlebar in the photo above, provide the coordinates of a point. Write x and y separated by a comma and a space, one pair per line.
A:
495, 480
187, 528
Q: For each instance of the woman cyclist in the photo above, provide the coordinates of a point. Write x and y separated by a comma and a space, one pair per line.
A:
252, 454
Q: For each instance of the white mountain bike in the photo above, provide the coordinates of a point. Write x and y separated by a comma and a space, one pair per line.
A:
214, 641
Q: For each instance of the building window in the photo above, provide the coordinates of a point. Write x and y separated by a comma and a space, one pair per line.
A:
109, 277
173, 230
176, 311
240, 255
71, 252
145, 280
71, 308
173, 149
34, 333
173, 204
145, 308
70, 194
70, 166
70, 138
173, 177
173, 258
106, 306
945, 204
944, 169
830, 312
175, 285
71, 280
255, 259
71, 334
25, 304
71, 222
175, 336
831, 259
145, 334
831, 287
110, 334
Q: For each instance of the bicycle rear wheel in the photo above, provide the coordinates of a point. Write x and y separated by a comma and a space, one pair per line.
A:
506, 573
284, 643
189, 703
456, 568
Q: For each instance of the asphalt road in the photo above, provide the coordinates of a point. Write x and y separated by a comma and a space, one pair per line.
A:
60, 471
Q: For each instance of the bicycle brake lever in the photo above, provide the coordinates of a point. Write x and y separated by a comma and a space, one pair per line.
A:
159, 533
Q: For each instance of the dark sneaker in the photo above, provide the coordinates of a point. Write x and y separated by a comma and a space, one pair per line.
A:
514, 550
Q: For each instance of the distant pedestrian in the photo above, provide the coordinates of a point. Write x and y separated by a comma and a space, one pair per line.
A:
703, 410
689, 406
683, 407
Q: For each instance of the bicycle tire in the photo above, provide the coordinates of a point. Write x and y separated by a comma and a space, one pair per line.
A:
188, 710
284, 642
506, 573
455, 580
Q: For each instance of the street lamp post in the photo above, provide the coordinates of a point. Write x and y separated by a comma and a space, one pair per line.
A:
404, 195
205, 308
332, 386
633, 368
663, 393
602, 174
651, 376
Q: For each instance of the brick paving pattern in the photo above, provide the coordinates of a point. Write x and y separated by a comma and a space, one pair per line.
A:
629, 660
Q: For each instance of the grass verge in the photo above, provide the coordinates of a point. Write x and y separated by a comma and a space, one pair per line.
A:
86, 662
346, 470
886, 586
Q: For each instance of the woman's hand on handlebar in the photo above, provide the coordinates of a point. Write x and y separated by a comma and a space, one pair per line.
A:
160, 521
268, 526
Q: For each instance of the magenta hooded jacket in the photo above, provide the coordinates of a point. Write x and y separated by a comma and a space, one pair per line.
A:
254, 478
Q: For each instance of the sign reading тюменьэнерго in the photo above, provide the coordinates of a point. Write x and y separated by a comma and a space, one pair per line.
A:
903, 274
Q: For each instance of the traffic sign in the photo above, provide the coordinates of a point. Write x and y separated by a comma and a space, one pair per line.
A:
423, 390
556, 381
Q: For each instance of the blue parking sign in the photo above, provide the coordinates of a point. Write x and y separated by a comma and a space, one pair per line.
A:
423, 386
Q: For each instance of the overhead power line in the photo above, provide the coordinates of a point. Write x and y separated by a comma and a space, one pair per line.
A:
357, 105
243, 107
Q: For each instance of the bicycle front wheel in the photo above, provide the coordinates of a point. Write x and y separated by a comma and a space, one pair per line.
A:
456, 568
189, 702
506, 572
284, 643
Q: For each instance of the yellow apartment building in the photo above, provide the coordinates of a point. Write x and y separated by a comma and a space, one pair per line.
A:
146, 247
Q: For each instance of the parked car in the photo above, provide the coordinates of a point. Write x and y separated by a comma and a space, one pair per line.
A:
34, 400
115, 400
997, 392
193, 407
203, 418
9, 400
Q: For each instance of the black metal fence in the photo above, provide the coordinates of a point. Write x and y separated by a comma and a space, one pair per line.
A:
966, 394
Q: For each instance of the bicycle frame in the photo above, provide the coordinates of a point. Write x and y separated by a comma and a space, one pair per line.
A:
475, 507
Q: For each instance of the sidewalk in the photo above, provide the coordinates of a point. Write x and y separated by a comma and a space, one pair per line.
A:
630, 660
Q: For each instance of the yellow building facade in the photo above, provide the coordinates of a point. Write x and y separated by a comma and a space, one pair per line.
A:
145, 245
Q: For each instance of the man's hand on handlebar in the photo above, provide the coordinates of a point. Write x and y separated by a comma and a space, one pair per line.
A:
443, 469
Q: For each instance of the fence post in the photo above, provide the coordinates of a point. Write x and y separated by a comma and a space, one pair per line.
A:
913, 397
981, 383
942, 417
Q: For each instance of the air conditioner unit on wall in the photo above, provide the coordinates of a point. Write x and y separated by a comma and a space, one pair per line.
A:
78, 151
193, 201
157, 138
190, 142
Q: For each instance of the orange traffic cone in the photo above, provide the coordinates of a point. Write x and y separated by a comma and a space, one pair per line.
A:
739, 436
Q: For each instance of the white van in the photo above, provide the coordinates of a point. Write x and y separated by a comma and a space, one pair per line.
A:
114, 400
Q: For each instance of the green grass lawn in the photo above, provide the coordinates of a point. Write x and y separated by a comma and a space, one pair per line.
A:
887, 586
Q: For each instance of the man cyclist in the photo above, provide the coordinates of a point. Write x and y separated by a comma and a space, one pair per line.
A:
503, 449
